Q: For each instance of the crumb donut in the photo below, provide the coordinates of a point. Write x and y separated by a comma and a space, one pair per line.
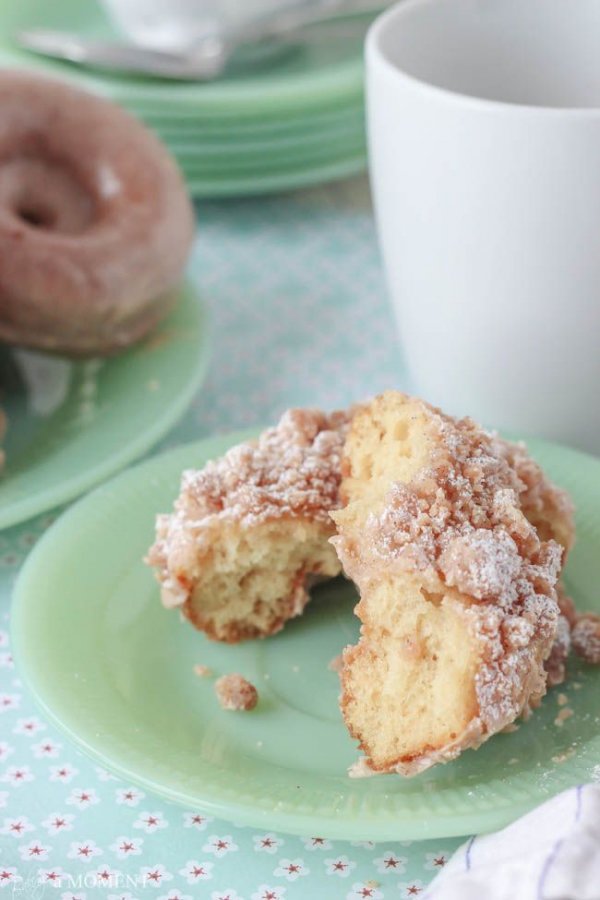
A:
458, 600
251, 530
95, 222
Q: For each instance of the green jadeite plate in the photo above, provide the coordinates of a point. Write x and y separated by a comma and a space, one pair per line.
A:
234, 184
73, 424
114, 670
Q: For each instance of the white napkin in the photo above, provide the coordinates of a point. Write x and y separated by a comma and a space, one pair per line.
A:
552, 853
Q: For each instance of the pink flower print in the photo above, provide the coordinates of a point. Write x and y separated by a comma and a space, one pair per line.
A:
196, 871
46, 749
8, 875
9, 702
17, 775
150, 822
196, 820
389, 862
129, 796
124, 847
340, 866
291, 869
17, 827
316, 843
267, 843
34, 850
220, 846
64, 773
435, 861
411, 889
364, 890
84, 851
51, 877
56, 822
29, 726
154, 876
83, 798
266, 892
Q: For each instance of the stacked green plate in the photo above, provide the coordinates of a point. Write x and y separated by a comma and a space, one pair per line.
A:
294, 122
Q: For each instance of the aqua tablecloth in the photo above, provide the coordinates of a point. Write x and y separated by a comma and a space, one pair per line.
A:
299, 317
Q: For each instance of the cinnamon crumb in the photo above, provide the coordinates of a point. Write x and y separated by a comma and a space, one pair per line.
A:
234, 692
563, 757
291, 470
562, 699
202, 671
563, 715
586, 638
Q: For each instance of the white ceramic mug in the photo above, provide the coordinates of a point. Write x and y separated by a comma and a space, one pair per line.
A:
484, 134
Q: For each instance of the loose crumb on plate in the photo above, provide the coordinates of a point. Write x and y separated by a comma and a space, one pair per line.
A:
563, 715
562, 699
563, 757
336, 664
202, 671
234, 692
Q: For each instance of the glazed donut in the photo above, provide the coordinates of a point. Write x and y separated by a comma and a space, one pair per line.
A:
95, 222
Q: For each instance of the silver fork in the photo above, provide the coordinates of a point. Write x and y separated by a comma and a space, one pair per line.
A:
210, 56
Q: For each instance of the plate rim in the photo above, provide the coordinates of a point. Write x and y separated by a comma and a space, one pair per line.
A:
71, 488
437, 824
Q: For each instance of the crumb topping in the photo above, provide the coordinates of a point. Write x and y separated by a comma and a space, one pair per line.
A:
586, 638
460, 521
291, 470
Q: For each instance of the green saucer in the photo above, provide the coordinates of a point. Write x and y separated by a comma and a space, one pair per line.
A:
238, 185
73, 424
114, 670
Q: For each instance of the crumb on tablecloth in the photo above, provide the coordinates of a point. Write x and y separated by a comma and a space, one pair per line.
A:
234, 692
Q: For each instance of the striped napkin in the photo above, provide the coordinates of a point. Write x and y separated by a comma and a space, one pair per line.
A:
552, 853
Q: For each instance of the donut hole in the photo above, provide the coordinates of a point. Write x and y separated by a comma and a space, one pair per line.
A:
36, 215
46, 194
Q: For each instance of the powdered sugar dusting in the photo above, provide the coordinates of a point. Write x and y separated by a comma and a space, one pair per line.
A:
460, 523
293, 470
586, 638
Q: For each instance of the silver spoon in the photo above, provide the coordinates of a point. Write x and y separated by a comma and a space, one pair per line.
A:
208, 58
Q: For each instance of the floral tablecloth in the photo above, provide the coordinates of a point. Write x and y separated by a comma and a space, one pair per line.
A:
299, 316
